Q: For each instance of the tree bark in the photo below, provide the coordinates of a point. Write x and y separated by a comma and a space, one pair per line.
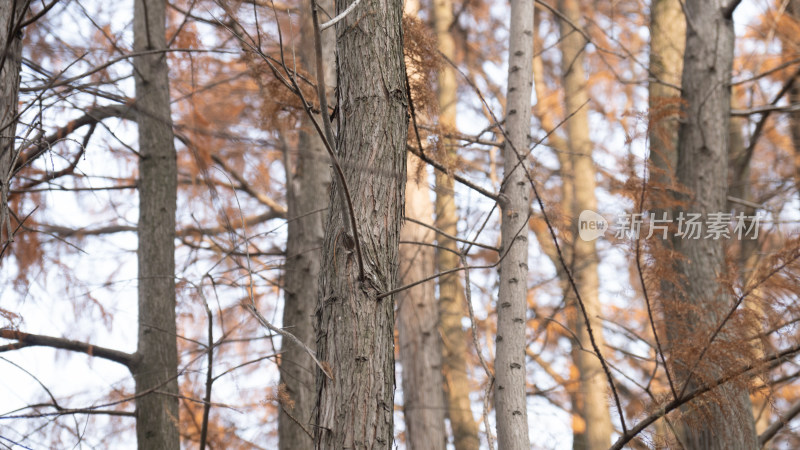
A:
418, 321
510, 384
156, 369
726, 422
10, 15
591, 396
667, 42
791, 47
308, 187
355, 332
452, 301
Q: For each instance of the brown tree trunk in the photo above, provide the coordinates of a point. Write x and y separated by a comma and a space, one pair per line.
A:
452, 301
355, 332
726, 421
792, 47
157, 365
308, 184
512, 304
667, 42
591, 396
10, 15
418, 321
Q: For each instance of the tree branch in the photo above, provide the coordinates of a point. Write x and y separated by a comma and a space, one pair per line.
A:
37, 340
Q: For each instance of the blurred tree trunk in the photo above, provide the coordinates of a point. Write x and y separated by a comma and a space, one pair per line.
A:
667, 42
512, 304
308, 184
418, 321
792, 49
726, 421
355, 332
452, 301
417, 310
591, 396
157, 365
10, 66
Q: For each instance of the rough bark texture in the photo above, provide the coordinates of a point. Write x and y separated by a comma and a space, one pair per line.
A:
452, 301
307, 193
355, 333
591, 399
702, 170
157, 366
510, 387
9, 98
418, 321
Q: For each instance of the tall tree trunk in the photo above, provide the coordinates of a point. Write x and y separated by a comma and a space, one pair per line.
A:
701, 302
418, 321
591, 396
512, 305
792, 47
10, 16
417, 310
667, 42
452, 301
308, 184
355, 333
157, 366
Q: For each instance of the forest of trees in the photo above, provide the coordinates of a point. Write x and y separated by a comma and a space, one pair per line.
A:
367, 224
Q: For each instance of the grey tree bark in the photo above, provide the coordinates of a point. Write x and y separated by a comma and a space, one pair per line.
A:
308, 184
355, 332
10, 66
452, 300
156, 368
418, 322
591, 398
793, 47
702, 170
510, 385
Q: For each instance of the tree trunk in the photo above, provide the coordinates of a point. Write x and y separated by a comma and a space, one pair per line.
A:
418, 321
667, 42
591, 396
792, 47
308, 187
452, 301
9, 99
157, 365
510, 384
724, 421
355, 333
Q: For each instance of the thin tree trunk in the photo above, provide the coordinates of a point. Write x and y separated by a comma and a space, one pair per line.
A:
452, 301
667, 42
10, 15
792, 47
355, 333
591, 396
512, 305
157, 366
308, 184
418, 321
725, 422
